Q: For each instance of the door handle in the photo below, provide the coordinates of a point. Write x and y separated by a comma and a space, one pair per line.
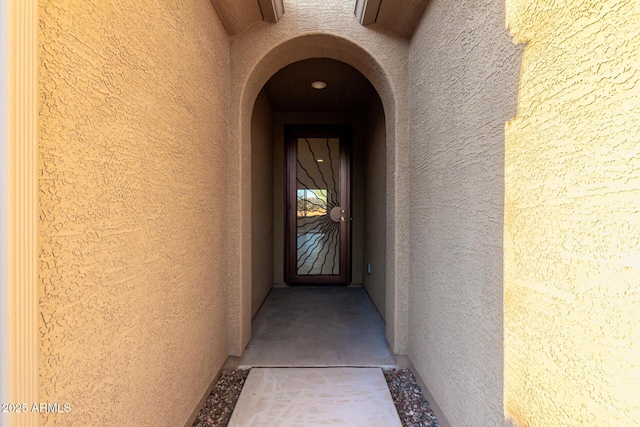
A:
337, 214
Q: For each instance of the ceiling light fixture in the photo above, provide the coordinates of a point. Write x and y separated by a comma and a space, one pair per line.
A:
318, 85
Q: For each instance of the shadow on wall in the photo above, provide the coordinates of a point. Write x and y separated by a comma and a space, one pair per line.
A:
464, 72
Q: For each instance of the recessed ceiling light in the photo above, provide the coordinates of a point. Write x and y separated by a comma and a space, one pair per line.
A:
320, 160
318, 85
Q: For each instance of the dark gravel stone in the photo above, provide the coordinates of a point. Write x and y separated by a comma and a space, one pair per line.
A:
412, 407
223, 398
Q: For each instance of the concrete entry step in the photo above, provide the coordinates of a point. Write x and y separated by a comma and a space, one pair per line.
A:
301, 397
317, 327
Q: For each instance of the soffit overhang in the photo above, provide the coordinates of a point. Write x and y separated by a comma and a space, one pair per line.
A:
400, 17
237, 16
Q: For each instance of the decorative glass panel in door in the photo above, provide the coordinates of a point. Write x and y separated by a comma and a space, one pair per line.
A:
318, 218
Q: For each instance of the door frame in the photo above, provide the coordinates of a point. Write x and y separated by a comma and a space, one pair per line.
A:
291, 134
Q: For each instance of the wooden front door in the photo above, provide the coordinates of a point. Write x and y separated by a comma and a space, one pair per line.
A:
318, 204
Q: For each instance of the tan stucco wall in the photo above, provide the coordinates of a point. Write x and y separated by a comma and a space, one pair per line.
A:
310, 29
464, 72
133, 209
262, 202
375, 213
572, 224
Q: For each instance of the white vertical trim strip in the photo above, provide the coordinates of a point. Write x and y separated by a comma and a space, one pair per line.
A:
23, 216
4, 208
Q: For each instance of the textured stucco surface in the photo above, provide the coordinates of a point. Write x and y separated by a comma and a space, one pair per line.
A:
238, 15
464, 73
262, 202
375, 190
572, 223
133, 209
310, 29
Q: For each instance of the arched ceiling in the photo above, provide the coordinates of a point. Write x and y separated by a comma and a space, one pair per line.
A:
398, 16
347, 89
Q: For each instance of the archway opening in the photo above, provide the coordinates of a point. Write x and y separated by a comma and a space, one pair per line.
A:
289, 99
250, 76
346, 99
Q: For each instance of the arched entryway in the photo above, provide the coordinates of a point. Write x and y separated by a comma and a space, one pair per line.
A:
265, 66
316, 152
350, 251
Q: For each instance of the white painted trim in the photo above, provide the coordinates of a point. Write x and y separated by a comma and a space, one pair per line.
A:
4, 207
19, 206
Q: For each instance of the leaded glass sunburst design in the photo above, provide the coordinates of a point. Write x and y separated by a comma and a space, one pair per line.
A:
318, 178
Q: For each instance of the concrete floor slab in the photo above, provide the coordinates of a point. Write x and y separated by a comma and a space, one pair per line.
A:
317, 327
305, 397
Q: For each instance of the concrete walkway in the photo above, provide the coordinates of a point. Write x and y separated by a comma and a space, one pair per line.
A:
316, 354
304, 397
317, 327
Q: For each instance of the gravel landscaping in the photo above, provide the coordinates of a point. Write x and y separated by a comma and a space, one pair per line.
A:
223, 398
412, 407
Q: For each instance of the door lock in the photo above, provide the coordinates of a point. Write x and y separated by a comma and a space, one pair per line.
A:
337, 214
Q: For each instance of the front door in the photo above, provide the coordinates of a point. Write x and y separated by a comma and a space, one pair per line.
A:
318, 204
